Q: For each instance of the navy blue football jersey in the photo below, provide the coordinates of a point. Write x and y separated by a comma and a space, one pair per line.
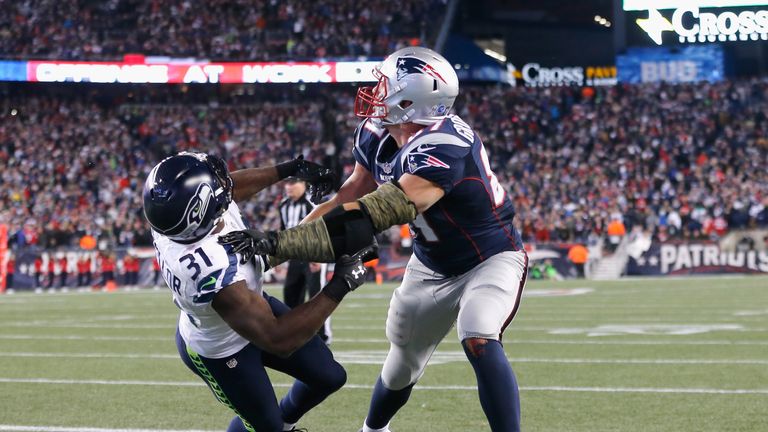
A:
473, 221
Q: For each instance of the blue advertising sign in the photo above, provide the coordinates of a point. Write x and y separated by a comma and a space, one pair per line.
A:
686, 64
13, 70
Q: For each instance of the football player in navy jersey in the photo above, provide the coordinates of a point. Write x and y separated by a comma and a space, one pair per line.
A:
419, 164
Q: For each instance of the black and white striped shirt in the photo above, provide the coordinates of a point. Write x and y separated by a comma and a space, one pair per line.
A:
292, 212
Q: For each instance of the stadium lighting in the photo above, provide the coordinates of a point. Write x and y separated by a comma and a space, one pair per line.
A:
498, 56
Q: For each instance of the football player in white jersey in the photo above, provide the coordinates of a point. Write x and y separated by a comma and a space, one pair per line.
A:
417, 163
229, 330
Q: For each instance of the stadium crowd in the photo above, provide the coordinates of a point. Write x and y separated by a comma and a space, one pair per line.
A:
261, 30
680, 161
683, 160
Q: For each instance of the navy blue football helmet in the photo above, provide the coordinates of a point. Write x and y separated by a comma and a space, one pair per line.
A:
185, 195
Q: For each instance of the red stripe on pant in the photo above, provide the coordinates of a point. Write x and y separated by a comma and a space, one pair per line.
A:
517, 300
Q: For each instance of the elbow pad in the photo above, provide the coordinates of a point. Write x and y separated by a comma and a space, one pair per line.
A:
346, 232
349, 230
340, 232
387, 206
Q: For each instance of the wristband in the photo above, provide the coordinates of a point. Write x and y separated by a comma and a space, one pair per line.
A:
287, 169
336, 289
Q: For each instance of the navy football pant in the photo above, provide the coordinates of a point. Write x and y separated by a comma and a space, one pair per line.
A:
241, 382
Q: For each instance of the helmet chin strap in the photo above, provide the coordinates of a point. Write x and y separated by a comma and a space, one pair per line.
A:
407, 115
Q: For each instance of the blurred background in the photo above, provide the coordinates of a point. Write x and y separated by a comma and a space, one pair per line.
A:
631, 135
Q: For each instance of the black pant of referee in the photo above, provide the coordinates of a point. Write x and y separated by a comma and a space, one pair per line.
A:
301, 281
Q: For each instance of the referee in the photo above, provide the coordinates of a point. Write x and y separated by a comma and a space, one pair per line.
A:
303, 277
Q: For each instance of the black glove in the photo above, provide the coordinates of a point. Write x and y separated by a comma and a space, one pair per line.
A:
320, 180
250, 243
349, 273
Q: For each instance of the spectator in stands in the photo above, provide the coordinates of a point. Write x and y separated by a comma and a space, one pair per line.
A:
216, 29
667, 158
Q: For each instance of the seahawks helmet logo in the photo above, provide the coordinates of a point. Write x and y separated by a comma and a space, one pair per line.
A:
196, 209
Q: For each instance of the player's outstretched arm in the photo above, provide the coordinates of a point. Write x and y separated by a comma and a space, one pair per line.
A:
249, 314
250, 181
359, 183
344, 229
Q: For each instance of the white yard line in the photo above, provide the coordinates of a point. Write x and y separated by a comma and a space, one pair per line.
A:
53, 324
440, 357
88, 355
84, 337
19, 428
418, 386
580, 342
597, 320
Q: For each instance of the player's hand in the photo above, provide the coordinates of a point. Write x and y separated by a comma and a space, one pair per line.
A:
320, 180
250, 242
349, 273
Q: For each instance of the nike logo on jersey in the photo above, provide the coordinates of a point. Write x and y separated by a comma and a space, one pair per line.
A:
423, 148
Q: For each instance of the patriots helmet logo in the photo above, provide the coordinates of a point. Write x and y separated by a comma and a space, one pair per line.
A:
413, 65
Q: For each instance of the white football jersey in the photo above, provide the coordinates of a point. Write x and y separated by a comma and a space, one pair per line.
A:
194, 273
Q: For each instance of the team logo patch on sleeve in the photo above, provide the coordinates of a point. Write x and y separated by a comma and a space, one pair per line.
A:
206, 288
419, 160
412, 65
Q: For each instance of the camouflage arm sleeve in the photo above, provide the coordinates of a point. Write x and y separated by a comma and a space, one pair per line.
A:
306, 242
388, 205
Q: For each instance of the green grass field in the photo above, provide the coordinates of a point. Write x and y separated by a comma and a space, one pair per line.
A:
643, 355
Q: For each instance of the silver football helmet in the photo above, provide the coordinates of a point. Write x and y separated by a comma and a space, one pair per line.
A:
415, 85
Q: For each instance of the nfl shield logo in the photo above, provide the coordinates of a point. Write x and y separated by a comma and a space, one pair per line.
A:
231, 363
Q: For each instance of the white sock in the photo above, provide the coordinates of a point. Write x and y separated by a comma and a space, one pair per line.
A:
367, 429
288, 426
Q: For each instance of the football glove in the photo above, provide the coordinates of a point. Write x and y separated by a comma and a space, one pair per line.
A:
320, 180
250, 242
348, 274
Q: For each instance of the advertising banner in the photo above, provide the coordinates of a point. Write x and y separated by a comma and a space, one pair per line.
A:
537, 75
695, 258
674, 22
199, 72
687, 64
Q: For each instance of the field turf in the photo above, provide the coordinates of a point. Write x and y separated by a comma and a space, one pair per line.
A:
641, 355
